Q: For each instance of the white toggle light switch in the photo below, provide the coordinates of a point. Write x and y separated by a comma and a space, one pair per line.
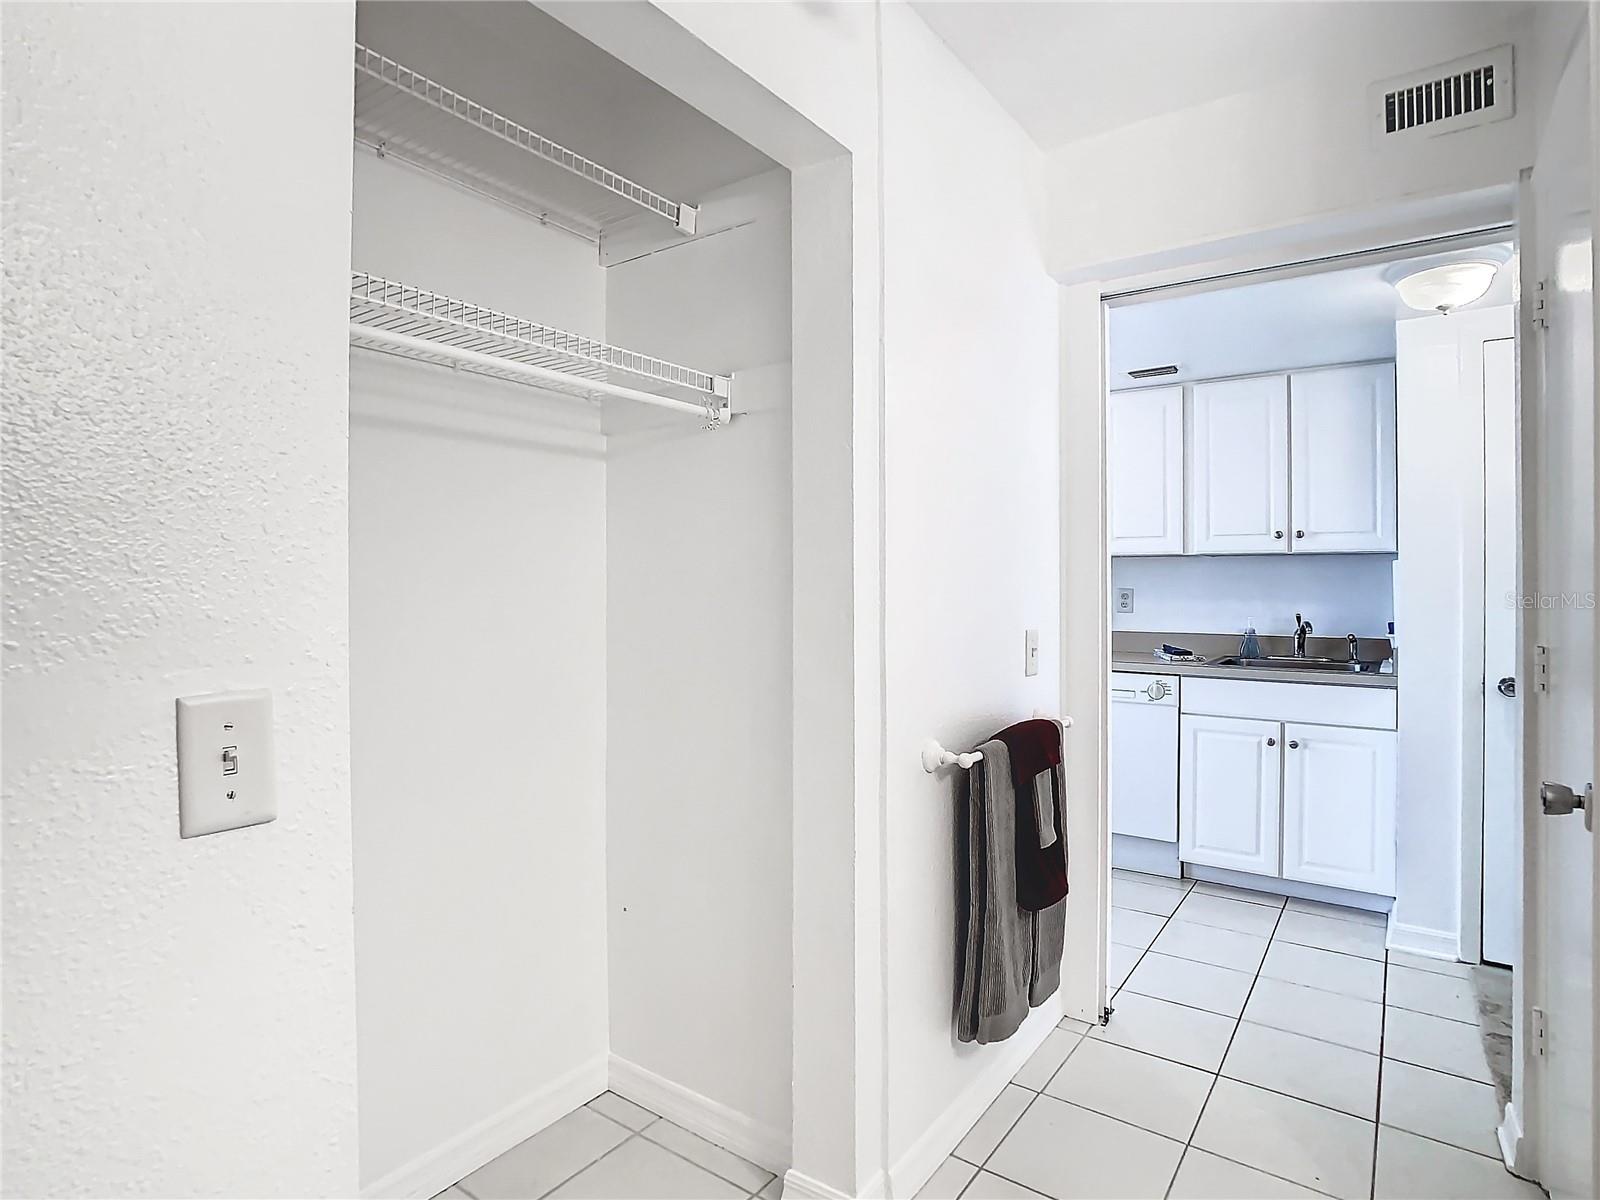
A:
226, 778
1030, 662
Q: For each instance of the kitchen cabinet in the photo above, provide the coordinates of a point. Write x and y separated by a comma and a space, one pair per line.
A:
1338, 807
1229, 793
1144, 436
1298, 462
1342, 459
1239, 457
1290, 780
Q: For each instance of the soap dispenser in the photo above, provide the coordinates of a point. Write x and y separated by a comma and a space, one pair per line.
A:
1249, 647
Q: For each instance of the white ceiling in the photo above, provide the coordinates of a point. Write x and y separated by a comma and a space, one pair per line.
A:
1074, 68
1311, 320
526, 64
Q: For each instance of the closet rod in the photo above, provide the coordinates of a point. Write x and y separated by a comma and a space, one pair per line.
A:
426, 348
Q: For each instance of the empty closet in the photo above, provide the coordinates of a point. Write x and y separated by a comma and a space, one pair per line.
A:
570, 547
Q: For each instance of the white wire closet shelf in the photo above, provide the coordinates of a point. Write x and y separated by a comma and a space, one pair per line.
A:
415, 323
402, 112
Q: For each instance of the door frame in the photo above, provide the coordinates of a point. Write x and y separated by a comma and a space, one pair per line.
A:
1085, 304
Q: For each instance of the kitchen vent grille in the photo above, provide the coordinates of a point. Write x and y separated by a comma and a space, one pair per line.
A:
1456, 95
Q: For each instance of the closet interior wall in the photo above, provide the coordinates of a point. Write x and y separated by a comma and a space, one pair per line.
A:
571, 652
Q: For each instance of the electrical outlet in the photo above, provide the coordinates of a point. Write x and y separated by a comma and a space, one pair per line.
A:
1124, 600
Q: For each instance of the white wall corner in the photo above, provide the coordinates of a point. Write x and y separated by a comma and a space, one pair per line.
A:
434, 1170
716, 1122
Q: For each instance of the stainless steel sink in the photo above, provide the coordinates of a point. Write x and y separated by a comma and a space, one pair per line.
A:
1289, 663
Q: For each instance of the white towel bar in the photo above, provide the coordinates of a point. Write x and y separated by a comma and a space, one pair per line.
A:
935, 756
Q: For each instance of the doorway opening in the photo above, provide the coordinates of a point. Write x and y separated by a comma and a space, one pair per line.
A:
1314, 750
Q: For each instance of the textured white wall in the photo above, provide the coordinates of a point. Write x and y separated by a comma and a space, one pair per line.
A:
699, 824
971, 543
478, 662
179, 1015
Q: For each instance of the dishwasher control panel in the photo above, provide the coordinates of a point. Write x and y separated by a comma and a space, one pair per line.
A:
1131, 687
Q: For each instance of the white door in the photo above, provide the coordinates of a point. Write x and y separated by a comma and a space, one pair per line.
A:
1144, 446
1239, 466
1338, 807
1229, 793
1502, 701
1342, 458
1559, 463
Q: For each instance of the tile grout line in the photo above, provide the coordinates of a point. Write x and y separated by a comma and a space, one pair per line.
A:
1165, 921
1377, 1116
1221, 1062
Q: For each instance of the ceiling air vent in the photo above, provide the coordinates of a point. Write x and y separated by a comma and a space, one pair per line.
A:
1154, 372
1453, 96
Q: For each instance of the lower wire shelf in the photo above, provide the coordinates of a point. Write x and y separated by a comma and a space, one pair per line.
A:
412, 322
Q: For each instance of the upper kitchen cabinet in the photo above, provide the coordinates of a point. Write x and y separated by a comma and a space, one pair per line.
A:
1239, 466
1342, 458
1145, 442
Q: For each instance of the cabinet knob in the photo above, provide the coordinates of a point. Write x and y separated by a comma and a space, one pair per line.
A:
1294, 745
1277, 533
1299, 533
1272, 741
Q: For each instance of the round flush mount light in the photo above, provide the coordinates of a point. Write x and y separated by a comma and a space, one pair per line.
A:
1447, 286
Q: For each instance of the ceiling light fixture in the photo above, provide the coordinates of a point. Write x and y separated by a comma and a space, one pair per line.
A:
1446, 287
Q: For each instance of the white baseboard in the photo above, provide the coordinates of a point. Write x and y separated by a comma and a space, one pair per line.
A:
800, 1186
711, 1119
1430, 943
434, 1170
914, 1168
1510, 1135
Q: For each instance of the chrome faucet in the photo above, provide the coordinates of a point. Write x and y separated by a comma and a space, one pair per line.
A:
1301, 628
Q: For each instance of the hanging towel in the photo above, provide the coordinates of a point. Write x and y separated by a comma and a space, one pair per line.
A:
1035, 750
1010, 958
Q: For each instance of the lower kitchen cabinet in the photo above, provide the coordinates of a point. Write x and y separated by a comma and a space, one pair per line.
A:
1229, 793
1338, 807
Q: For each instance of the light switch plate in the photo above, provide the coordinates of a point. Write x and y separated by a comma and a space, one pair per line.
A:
1124, 600
226, 775
1030, 661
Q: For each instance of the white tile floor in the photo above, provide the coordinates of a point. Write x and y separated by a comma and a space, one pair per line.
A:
612, 1148
1258, 1049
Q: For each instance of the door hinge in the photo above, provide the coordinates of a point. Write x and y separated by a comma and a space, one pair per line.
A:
1105, 1014
1536, 1019
1541, 307
1541, 668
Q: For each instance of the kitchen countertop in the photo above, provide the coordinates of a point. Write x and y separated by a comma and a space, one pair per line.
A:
1131, 652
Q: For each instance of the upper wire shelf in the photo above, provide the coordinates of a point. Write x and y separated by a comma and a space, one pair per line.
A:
403, 112
416, 323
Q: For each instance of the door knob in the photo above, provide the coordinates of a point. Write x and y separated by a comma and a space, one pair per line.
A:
1507, 686
1557, 800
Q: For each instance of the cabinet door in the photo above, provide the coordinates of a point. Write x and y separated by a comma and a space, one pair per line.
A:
1342, 459
1239, 466
1229, 793
1338, 807
1145, 438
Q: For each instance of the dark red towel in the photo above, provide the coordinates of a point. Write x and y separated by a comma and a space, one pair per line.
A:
1035, 748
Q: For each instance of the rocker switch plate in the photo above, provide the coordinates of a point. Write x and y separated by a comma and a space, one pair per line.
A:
226, 775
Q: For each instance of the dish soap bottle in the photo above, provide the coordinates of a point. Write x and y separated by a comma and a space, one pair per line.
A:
1249, 647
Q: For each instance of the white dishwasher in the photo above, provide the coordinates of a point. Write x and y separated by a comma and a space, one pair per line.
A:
1144, 757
